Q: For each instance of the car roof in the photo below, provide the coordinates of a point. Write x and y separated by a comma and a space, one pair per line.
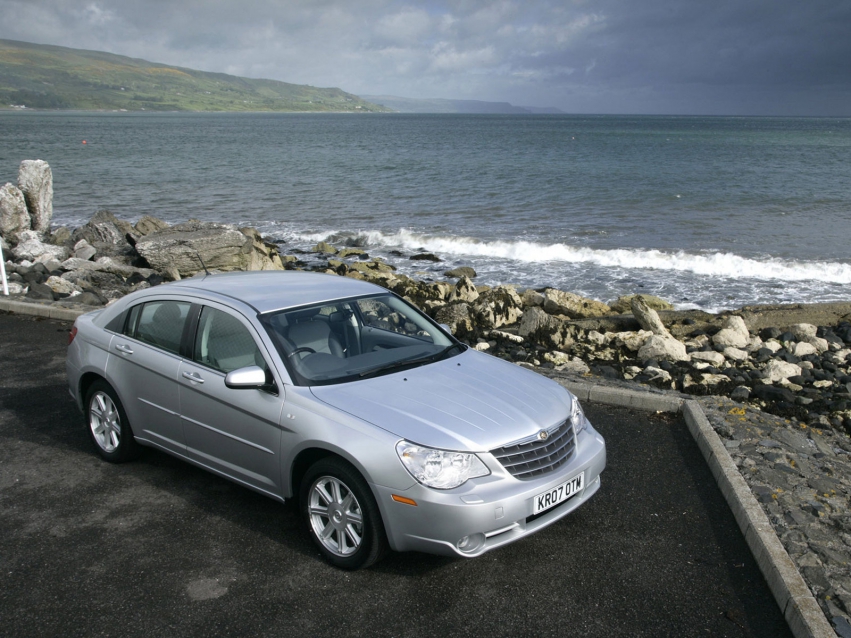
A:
270, 290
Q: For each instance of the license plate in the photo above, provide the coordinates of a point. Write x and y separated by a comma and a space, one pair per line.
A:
559, 494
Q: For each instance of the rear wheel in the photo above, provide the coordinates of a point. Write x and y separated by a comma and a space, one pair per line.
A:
109, 427
341, 514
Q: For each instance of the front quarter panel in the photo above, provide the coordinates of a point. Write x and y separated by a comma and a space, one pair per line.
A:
308, 423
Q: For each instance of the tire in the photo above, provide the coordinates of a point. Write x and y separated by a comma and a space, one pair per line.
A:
108, 425
341, 515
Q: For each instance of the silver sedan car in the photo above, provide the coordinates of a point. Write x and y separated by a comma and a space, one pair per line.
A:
388, 431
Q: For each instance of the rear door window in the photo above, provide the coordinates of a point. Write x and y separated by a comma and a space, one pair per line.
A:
159, 323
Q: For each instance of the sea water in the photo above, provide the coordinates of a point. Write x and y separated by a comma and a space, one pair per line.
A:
707, 212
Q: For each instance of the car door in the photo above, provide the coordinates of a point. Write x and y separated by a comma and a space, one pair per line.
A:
142, 367
235, 432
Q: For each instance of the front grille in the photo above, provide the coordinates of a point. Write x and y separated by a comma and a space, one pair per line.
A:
532, 458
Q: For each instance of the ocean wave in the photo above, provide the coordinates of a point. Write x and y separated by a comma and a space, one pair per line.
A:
716, 264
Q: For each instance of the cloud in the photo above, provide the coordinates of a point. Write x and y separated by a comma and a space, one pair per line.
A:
763, 56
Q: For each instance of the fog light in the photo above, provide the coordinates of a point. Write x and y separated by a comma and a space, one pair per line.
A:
470, 544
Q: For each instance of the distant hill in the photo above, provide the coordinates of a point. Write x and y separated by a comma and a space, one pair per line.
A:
51, 77
437, 105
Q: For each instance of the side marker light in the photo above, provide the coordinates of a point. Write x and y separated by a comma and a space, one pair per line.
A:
403, 499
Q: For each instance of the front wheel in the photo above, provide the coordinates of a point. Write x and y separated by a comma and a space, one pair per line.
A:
109, 427
341, 515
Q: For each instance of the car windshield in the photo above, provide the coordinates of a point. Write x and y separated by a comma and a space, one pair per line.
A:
350, 339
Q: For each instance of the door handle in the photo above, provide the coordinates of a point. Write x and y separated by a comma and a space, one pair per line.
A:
193, 376
122, 348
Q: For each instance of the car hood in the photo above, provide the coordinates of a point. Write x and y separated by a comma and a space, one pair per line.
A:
470, 402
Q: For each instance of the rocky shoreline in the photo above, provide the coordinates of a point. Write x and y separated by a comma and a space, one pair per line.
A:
793, 361
775, 380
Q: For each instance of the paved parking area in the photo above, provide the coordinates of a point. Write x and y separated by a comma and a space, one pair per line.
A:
159, 547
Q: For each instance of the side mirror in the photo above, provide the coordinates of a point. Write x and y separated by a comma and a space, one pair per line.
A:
446, 328
250, 377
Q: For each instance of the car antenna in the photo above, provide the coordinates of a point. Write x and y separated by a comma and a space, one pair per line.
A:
203, 265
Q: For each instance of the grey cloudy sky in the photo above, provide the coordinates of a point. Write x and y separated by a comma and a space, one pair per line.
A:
773, 57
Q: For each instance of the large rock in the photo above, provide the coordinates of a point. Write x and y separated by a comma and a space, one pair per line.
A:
558, 302
108, 235
457, 317
662, 347
31, 247
733, 332
500, 306
647, 318
14, 218
461, 271
181, 249
148, 225
35, 179
79, 267
624, 304
551, 332
777, 370
465, 290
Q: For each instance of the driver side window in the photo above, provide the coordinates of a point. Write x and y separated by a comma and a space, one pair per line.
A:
223, 343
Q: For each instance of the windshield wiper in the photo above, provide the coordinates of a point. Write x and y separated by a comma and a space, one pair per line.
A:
404, 363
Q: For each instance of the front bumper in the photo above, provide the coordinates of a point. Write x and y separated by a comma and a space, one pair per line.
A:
488, 512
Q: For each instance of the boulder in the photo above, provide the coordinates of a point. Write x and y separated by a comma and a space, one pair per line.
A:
182, 248
40, 292
14, 217
457, 317
35, 180
62, 286
733, 332
709, 356
461, 271
631, 340
623, 304
31, 247
84, 250
465, 290
551, 332
60, 236
803, 349
324, 248
419, 292
109, 235
499, 306
425, 257
803, 331
149, 224
661, 347
734, 354
777, 370
647, 318
531, 298
352, 252
558, 302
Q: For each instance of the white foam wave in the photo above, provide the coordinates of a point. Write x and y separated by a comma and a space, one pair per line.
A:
711, 264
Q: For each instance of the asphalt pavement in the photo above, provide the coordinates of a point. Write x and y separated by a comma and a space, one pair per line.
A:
158, 547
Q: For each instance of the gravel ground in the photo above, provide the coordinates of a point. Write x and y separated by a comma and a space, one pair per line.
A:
801, 475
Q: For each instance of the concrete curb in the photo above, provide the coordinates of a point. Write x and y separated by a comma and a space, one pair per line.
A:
40, 310
802, 613
799, 607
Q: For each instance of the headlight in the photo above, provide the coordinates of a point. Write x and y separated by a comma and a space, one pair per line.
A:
440, 469
577, 416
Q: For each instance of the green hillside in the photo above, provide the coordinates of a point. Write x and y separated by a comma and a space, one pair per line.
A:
51, 77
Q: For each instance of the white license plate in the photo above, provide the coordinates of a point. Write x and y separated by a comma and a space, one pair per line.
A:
559, 494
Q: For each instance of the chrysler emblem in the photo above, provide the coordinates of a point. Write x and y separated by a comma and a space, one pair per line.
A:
543, 435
